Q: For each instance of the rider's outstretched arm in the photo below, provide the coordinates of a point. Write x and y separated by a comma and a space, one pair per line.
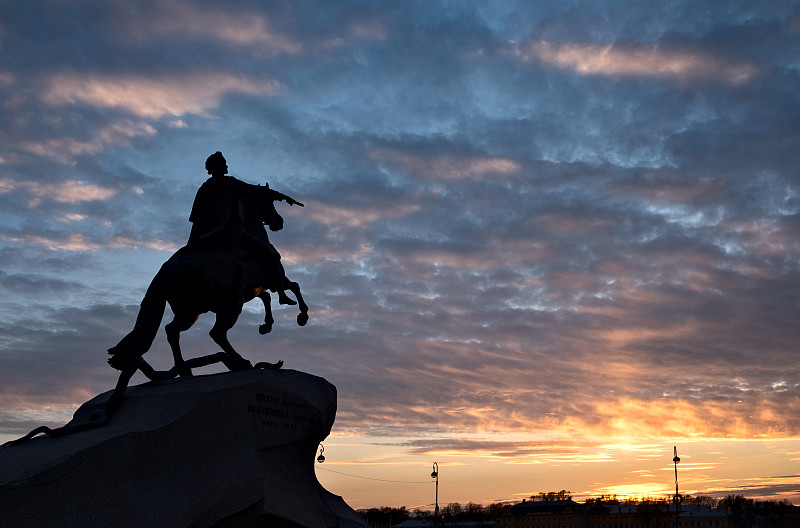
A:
288, 199
291, 201
271, 194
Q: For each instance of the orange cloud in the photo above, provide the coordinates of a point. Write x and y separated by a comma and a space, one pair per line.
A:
637, 61
234, 27
64, 149
681, 418
68, 191
6, 78
448, 167
172, 96
79, 242
624, 419
373, 30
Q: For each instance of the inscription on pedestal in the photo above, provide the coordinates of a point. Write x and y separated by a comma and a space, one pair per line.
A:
280, 412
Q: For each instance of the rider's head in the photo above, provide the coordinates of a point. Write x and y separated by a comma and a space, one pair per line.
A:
216, 164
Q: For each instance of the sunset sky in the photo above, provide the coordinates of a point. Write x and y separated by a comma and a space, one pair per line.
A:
543, 242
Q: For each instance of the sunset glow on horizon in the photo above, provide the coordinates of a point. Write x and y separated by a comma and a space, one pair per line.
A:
543, 243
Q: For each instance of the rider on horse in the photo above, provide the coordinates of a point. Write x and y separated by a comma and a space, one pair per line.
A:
227, 262
217, 221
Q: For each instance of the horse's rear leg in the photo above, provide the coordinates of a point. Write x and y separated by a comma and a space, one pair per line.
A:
268, 319
285, 299
180, 323
219, 333
302, 317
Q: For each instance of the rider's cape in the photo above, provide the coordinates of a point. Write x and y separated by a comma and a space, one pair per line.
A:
215, 218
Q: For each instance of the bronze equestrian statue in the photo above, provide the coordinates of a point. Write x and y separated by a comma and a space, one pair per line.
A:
227, 262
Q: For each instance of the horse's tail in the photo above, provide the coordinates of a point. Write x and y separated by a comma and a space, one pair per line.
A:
133, 346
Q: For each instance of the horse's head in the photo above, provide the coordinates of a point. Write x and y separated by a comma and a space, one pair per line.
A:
270, 216
258, 208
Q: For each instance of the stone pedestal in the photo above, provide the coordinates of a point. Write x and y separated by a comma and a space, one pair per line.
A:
228, 450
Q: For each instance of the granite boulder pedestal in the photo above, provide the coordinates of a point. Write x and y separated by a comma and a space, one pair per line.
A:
222, 450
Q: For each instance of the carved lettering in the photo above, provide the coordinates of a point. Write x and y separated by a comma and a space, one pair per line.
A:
268, 411
266, 398
279, 412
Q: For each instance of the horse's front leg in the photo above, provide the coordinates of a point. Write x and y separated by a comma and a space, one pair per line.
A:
302, 317
219, 333
180, 323
268, 319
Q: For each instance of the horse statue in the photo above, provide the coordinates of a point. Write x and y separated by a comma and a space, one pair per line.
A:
195, 282
215, 280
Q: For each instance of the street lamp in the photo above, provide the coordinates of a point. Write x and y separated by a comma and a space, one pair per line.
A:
677, 499
435, 475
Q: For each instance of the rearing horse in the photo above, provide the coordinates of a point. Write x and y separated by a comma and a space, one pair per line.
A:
219, 281
195, 282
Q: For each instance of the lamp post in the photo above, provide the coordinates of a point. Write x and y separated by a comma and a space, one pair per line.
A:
435, 475
677, 499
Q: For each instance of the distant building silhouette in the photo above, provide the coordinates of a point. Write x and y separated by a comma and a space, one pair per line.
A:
570, 514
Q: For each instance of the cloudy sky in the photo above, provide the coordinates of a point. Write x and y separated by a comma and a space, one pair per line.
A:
543, 242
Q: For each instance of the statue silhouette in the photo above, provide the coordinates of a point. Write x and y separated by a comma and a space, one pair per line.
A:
218, 218
227, 262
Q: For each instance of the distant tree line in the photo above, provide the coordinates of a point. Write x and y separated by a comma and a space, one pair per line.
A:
746, 512
743, 512
451, 513
552, 496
